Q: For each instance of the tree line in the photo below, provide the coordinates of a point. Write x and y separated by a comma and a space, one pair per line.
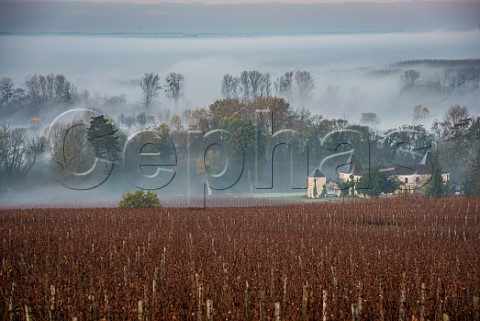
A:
253, 84
454, 138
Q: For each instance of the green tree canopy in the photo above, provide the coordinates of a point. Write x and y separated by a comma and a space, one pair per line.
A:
377, 182
140, 199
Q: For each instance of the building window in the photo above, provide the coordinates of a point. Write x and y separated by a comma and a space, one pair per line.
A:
406, 180
417, 179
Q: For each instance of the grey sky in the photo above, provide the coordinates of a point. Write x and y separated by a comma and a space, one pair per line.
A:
103, 17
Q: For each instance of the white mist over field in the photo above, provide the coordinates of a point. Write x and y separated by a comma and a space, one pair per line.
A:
343, 66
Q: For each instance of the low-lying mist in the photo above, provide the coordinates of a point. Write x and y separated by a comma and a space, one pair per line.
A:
353, 74
343, 66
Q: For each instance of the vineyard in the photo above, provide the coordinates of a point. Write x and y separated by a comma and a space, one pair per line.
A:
386, 259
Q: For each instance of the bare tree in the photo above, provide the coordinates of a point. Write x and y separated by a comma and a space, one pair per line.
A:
276, 86
266, 85
63, 88
255, 83
410, 76
283, 85
245, 84
174, 86
41, 88
229, 86
33, 88
456, 120
59, 85
17, 152
305, 84
50, 85
6, 89
150, 85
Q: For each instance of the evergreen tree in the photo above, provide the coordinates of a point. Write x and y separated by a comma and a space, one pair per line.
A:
471, 184
324, 191
347, 187
102, 136
436, 185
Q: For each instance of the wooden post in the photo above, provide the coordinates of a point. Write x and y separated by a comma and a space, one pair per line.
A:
146, 306
155, 280
359, 297
11, 309
422, 302
200, 302
278, 313
262, 306
247, 300
140, 310
272, 283
154, 295
355, 312
106, 301
324, 305
476, 308
163, 266
51, 312
439, 307
209, 310
28, 313
306, 288
403, 299
381, 298
125, 276
11, 304
284, 301
335, 289
467, 288
94, 307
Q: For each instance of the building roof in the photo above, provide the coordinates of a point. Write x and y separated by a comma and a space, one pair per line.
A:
427, 159
424, 167
316, 173
414, 169
352, 166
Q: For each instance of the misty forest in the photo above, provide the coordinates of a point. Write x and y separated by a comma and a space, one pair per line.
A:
40, 149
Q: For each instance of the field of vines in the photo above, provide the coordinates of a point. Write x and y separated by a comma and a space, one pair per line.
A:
386, 259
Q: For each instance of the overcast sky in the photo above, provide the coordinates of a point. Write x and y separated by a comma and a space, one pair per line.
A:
272, 17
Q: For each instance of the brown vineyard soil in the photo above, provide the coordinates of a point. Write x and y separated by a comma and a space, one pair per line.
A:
386, 259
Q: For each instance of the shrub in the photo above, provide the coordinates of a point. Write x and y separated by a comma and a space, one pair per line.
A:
140, 199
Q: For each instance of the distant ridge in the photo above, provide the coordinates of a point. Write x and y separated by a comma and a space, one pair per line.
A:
438, 63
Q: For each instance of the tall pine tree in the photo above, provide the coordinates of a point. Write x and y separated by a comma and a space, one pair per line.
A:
102, 136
